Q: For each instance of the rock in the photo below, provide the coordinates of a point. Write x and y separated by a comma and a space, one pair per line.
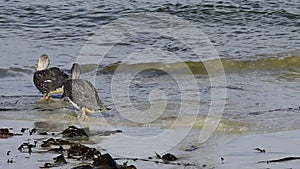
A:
105, 161
5, 133
60, 159
169, 157
73, 131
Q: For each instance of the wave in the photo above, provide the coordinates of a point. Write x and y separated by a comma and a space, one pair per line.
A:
14, 72
273, 64
19, 72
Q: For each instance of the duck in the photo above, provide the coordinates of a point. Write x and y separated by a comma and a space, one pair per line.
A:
48, 80
82, 94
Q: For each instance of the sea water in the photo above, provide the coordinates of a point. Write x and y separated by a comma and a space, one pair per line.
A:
257, 43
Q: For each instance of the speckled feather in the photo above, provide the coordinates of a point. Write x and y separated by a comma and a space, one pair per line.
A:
83, 94
49, 79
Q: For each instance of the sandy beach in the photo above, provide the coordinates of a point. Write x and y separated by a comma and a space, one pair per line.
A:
221, 151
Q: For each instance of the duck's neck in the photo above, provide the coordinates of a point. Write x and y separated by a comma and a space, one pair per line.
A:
75, 75
42, 66
75, 71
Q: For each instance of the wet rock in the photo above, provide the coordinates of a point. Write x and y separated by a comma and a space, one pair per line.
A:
5, 133
24, 129
124, 166
105, 161
169, 157
83, 133
83, 152
60, 159
73, 131
32, 131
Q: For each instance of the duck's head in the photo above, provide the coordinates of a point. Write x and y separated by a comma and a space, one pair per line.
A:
75, 71
43, 62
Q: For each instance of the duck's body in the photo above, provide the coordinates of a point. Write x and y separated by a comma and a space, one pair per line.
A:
82, 94
48, 81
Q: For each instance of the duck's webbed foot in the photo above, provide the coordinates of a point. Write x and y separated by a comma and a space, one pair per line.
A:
47, 98
84, 115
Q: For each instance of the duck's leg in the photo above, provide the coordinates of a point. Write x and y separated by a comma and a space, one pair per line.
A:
47, 97
84, 116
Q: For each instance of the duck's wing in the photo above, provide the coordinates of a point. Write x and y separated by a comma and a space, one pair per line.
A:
49, 80
56, 78
101, 106
83, 94
67, 92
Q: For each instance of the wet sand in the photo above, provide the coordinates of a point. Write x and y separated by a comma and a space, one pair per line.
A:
224, 151
240, 153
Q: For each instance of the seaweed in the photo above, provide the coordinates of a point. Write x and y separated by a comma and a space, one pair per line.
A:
56, 142
285, 159
260, 150
26, 147
5, 133
73, 151
79, 151
167, 158
58, 161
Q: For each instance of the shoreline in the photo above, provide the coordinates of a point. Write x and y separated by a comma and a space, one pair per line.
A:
221, 151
